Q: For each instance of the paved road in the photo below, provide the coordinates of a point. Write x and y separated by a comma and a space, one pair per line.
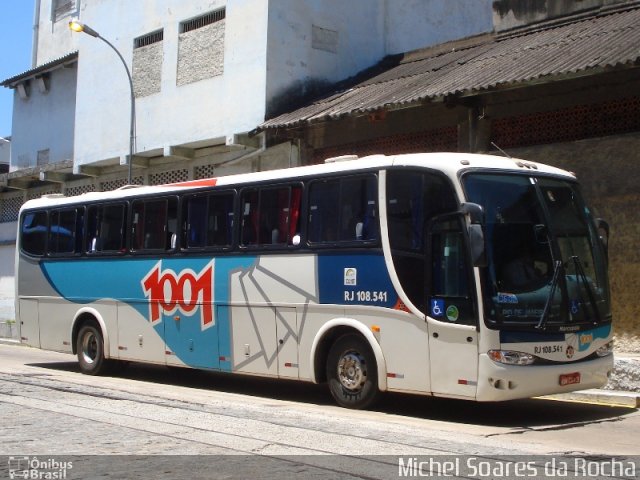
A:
48, 408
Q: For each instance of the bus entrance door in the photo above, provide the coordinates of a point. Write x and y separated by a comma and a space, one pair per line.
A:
453, 338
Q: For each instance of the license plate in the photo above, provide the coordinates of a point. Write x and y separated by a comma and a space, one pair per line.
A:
570, 379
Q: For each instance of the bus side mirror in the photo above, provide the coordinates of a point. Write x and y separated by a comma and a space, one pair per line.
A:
478, 247
476, 233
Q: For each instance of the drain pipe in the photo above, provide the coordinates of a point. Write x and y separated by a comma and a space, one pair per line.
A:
36, 30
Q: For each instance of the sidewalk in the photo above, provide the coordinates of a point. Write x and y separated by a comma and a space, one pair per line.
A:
623, 389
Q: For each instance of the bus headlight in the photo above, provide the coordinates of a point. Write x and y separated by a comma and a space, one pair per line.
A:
605, 350
510, 357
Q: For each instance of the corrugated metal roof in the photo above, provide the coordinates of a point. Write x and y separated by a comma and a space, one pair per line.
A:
45, 67
584, 46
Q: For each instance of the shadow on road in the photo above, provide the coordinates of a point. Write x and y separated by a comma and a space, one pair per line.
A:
525, 414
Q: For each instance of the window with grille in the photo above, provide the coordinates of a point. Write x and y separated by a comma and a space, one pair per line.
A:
201, 48
202, 21
147, 64
63, 8
148, 39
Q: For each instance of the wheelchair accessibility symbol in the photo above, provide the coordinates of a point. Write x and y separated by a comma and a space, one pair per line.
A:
437, 308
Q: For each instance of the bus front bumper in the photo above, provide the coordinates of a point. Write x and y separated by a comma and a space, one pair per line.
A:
497, 381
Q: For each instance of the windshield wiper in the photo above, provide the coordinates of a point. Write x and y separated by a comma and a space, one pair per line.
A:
552, 291
582, 276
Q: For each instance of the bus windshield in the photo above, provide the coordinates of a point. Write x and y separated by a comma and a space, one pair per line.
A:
546, 265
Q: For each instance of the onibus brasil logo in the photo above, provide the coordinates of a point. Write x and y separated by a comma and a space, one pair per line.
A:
169, 292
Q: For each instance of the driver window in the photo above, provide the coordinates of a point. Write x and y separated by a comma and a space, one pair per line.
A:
450, 297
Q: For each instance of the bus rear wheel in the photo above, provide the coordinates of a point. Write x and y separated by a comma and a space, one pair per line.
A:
352, 373
90, 348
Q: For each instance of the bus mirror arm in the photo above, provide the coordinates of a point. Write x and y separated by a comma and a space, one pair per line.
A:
476, 233
475, 212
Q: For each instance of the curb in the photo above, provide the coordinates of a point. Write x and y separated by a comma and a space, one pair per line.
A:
613, 398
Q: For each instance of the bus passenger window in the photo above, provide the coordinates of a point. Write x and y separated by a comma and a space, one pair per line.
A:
208, 221
271, 216
250, 227
195, 216
343, 210
154, 223
34, 233
324, 197
66, 226
105, 232
220, 220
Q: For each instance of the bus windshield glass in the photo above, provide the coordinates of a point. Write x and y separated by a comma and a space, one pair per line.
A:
546, 264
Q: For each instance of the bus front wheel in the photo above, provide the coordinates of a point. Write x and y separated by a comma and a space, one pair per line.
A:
352, 373
90, 348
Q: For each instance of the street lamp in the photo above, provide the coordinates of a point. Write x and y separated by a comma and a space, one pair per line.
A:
76, 26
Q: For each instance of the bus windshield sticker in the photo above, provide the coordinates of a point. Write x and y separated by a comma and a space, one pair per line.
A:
452, 313
437, 308
507, 298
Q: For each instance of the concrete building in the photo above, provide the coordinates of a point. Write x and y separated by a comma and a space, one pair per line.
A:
206, 74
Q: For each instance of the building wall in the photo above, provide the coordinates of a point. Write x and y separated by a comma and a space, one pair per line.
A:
43, 122
189, 102
413, 24
314, 43
509, 14
52, 37
7, 255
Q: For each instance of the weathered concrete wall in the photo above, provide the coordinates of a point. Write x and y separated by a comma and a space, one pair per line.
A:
54, 39
413, 24
7, 256
607, 168
509, 14
44, 121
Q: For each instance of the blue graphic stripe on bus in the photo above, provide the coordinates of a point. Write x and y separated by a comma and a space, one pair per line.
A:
349, 279
202, 334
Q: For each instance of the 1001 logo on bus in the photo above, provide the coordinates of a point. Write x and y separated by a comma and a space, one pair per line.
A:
169, 292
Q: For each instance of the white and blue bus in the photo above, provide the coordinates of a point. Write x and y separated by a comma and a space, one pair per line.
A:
455, 275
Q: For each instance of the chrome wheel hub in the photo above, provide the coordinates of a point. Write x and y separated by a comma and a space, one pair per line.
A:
89, 348
352, 371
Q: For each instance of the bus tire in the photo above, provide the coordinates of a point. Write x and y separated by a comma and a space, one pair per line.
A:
352, 373
90, 348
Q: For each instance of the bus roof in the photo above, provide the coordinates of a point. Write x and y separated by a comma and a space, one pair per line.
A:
449, 163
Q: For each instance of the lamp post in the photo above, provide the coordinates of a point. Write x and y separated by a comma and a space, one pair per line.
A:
76, 26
